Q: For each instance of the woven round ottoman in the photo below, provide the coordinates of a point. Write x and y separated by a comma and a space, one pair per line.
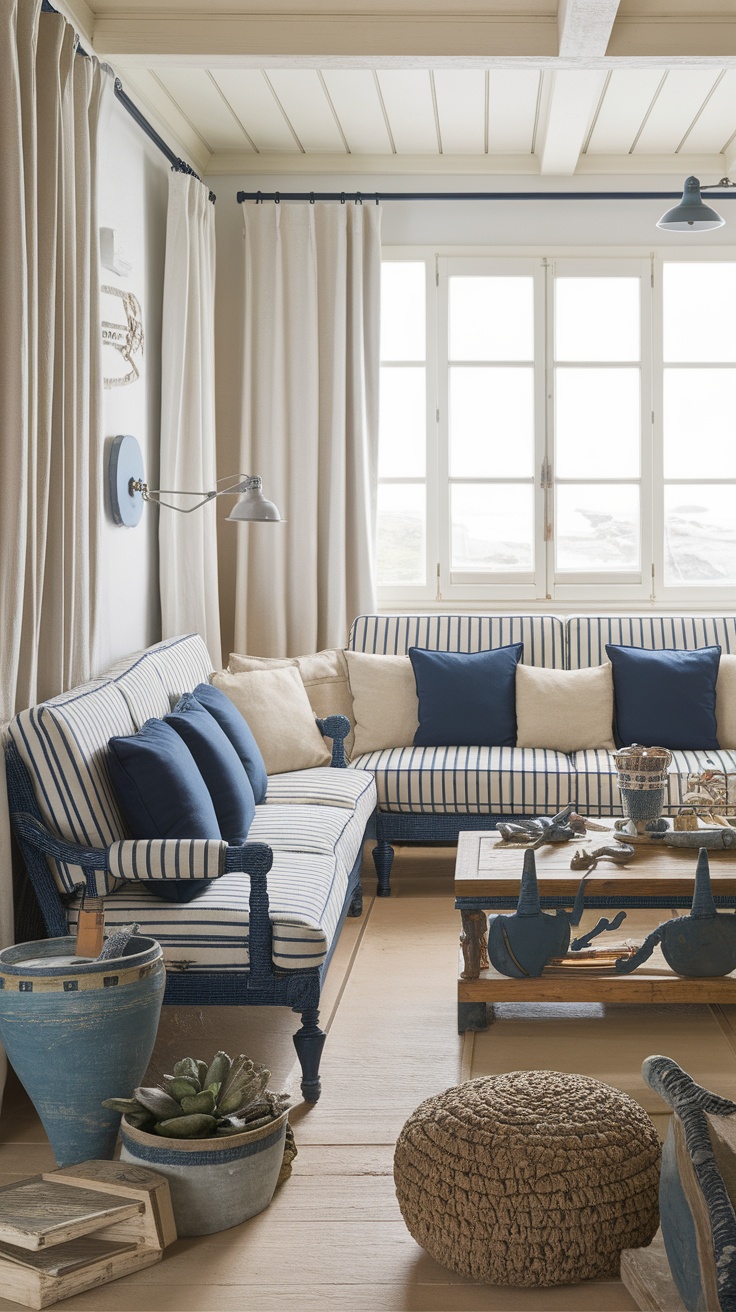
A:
529, 1178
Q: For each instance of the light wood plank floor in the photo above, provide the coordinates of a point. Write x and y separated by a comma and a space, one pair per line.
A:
333, 1238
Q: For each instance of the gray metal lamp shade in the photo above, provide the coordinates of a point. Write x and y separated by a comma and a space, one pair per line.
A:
690, 213
252, 506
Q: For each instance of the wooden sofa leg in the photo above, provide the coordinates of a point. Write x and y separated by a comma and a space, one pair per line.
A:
309, 1042
356, 906
383, 857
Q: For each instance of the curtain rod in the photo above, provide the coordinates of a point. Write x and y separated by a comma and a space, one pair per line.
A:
178, 165
360, 196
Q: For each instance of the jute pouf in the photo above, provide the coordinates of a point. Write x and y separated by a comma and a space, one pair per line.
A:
529, 1178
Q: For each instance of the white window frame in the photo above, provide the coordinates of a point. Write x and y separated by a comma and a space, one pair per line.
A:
648, 592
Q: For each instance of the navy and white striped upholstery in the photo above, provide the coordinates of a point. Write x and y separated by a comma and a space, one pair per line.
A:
543, 636
306, 892
63, 744
597, 787
156, 858
471, 780
321, 786
152, 680
587, 635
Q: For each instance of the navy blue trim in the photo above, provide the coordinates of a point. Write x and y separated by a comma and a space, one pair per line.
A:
169, 1157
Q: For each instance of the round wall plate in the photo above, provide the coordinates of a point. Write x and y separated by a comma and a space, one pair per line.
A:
126, 465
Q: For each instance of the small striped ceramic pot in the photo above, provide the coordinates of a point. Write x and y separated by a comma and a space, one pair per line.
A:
77, 1031
215, 1183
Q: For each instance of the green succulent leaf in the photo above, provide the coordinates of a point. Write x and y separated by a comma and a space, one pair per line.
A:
158, 1102
218, 1069
187, 1127
126, 1106
201, 1102
187, 1068
179, 1089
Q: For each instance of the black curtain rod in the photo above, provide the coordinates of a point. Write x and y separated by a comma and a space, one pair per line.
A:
360, 196
178, 165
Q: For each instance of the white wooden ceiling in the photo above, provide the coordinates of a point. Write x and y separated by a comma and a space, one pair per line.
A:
289, 87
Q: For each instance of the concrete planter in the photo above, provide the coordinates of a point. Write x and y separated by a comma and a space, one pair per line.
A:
77, 1031
215, 1183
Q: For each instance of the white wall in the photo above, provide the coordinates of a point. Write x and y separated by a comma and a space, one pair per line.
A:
133, 200
544, 225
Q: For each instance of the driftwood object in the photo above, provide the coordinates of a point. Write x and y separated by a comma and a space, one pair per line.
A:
520, 945
621, 854
701, 944
544, 829
697, 1189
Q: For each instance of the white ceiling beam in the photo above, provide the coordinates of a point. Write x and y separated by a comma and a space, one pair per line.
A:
584, 27
572, 99
632, 172
81, 17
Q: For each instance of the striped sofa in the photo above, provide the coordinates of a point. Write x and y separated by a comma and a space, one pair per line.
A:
430, 794
263, 930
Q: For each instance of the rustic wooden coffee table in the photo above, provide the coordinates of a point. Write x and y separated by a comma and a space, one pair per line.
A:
487, 876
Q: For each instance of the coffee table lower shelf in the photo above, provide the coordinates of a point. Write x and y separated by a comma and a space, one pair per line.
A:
653, 983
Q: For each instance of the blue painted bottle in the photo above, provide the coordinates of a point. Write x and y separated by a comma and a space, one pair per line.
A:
77, 1031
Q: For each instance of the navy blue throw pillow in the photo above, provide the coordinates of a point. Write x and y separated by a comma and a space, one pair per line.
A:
219, 765
232, 723
665, 698
162, 795
466, 698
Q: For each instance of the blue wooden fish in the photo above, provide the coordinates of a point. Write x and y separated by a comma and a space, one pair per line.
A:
520, 945
703, 943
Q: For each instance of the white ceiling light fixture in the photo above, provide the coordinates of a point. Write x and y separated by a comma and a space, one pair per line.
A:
691, 214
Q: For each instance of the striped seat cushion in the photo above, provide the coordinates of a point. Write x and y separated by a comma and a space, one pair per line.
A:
322, 786
63, 744
597, 789
306, 893
151, 681
543, 636
587, 635
471, 780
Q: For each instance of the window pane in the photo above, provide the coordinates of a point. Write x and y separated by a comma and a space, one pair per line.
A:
699, 535
491, 318
699, 423
699, 320
597, 319
401, 533
403, 335
491, 423
402, 432
493, 528
598, 422
597, 528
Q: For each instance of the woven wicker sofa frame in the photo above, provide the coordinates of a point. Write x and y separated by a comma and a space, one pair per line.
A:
261, 985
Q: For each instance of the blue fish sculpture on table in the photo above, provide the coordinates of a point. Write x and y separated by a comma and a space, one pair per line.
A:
520, 945
703, 943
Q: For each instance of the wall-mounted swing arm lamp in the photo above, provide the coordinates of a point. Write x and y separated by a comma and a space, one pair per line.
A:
128, 490
691, 214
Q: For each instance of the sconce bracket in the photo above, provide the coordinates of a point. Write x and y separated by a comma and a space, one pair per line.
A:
125, 467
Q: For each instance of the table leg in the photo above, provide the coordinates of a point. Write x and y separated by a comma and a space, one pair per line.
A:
473, 1016
473, 943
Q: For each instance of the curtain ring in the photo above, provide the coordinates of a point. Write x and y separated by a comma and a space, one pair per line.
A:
276, 198
342, 197
376, 198
311, 198
259, 198
358, 198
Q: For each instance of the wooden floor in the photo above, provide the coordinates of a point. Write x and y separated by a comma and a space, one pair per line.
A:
333, 1238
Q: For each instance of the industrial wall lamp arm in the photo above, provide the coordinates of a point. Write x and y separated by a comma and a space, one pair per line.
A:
236, 485
129, 490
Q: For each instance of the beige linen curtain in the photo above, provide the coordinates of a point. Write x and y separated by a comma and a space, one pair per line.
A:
51, 105
188, 542
310, 423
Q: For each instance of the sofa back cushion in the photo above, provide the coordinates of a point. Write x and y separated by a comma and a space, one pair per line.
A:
152, 681
587, 635
543, 636
63, 745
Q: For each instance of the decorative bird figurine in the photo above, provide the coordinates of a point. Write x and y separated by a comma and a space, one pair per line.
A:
520, 945
703, 943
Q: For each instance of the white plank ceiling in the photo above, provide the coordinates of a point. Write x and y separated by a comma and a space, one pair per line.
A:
258, 114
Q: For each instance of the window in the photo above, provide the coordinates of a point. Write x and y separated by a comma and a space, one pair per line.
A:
556, 429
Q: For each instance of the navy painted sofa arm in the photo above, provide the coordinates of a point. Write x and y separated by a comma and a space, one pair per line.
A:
336, 727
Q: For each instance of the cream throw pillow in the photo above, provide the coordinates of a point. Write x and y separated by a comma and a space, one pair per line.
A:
564, 710
385, 703
276, 707
726, 702
324, 675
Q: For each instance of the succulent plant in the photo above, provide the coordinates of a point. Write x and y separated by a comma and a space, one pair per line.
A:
201, 1101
